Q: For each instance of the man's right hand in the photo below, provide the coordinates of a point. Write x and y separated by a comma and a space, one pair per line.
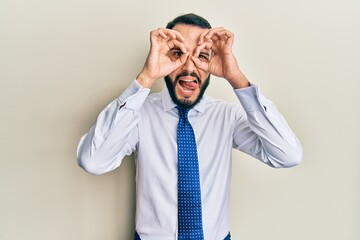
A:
158, 63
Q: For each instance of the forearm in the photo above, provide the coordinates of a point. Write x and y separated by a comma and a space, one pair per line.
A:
269, 138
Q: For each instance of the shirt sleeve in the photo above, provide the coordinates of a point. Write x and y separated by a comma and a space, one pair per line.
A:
263, 132
115, 133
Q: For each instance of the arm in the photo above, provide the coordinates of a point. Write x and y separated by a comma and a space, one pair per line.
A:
114, 134
262, 132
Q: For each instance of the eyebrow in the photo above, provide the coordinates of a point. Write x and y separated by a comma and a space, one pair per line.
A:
175, 49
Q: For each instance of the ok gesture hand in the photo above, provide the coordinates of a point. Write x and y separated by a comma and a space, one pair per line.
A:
158, 64
222, 62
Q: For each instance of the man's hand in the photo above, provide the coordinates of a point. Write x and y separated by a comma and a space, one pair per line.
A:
158, 63
222, 62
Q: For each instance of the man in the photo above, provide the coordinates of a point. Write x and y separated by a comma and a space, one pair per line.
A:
186, 53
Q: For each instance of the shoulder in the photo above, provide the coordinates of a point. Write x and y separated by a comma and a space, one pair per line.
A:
154, 97
219, 107
152, 102
214, 103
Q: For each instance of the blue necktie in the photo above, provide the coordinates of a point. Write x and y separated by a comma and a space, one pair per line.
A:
189, 195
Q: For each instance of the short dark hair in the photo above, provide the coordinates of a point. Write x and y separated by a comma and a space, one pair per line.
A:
189, 19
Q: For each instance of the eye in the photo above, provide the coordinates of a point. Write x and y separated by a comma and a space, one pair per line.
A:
177, 54
203, 57
174, 54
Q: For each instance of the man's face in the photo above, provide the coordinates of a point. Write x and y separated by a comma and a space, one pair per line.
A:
187, 84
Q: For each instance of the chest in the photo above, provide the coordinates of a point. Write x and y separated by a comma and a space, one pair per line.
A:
158, 133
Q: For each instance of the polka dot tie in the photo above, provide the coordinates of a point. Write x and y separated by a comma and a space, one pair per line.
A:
189, 195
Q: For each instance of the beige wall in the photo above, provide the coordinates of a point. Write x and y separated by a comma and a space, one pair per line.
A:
62, 61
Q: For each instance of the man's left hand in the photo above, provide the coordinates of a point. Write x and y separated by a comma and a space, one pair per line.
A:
222, 62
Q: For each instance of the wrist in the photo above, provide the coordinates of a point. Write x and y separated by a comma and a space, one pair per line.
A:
240, 81
144, 80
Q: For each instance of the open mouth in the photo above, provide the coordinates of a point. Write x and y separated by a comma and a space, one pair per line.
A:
191, 84
188, 86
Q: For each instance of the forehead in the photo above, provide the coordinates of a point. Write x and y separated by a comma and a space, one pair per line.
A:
190, 33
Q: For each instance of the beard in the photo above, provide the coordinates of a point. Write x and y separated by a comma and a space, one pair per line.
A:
186, 103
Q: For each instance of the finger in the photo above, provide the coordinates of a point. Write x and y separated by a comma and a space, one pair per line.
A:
225, 34
205, 45
167, 33
176, 44
177, 35
173, 34
210, 34
200, 64
160, 33
230, 37
202, 37
182, 60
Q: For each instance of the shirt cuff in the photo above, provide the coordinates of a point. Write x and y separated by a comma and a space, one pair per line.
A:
134, 96
249, 98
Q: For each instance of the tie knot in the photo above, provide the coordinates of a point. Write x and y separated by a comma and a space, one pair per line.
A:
183, 112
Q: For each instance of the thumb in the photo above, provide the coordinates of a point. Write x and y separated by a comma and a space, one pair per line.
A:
200, 64
182, 60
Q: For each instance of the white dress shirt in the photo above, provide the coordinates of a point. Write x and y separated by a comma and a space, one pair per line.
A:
146, 124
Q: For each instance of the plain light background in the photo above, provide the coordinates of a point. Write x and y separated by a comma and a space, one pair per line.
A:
61, 62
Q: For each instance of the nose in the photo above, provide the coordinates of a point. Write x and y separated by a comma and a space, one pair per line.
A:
189, 65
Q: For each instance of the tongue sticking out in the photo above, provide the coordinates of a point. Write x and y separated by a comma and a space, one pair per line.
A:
188, 84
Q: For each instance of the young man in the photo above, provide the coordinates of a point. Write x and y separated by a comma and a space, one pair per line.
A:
186, 53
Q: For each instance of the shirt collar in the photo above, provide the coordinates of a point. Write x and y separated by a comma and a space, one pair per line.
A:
168, 104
